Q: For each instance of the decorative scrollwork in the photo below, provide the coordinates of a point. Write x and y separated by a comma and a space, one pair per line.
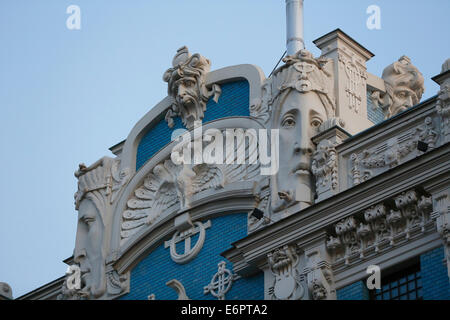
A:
380, 227
395, 151
221, 282
283, 264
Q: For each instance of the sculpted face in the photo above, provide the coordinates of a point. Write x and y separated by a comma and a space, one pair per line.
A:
186, 84
404, 86
88, 249
187, 96
300, 117
403, 98
186, 90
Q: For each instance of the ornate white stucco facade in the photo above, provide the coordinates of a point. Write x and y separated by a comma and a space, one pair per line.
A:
349, 193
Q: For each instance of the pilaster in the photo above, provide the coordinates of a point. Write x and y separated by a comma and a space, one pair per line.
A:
350, 78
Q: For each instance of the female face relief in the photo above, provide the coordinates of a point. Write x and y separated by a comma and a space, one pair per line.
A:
300, 117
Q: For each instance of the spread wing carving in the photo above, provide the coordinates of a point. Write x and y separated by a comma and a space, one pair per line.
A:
170, 185
158, 193
236, 167
240, 170
207, 177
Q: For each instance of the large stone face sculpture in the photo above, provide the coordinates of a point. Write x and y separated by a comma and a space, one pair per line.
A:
301, 101
98, 186
404, 87
91, 201
186, 84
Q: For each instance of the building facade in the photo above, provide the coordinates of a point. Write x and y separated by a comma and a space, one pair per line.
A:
304, 181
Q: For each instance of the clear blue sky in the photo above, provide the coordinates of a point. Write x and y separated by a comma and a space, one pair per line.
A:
67, 96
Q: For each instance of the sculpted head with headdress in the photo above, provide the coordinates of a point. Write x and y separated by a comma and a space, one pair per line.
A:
186, 84
93, 205
404, 86
302, 101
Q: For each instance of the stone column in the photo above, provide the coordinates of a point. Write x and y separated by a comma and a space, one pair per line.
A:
325, 162
300, 272
441, 212
317, 270
443, 102
350, 78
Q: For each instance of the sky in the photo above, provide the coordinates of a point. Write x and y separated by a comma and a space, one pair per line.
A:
66, 96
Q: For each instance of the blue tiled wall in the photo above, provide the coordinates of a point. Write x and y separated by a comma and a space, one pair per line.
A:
152, 273
354, 291
375, 114
435, 279
155, 139
234, 101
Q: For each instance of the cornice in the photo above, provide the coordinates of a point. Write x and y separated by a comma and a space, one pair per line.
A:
300, 227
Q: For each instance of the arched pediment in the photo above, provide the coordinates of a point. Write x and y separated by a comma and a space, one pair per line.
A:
145, 213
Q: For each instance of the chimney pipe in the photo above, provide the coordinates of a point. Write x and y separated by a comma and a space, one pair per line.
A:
294, 26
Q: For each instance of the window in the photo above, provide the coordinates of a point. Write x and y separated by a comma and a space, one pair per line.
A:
402, 285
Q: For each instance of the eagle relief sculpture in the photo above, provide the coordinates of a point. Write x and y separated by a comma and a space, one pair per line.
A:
170, 187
